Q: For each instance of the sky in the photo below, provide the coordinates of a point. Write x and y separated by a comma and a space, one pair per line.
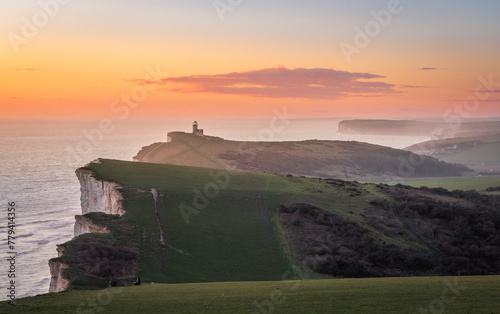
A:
240, 59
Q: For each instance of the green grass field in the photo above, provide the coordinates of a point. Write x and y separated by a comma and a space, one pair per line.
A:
485, 153
224, 251
222, 226
465, 183
217, 225
377, 295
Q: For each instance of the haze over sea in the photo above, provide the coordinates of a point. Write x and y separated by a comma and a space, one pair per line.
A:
39, 158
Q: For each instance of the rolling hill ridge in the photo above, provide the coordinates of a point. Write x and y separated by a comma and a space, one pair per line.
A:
315, 158
205, 225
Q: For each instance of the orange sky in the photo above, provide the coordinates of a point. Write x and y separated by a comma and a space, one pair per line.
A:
90, 55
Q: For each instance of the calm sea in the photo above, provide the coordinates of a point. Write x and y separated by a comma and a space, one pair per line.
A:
39, 158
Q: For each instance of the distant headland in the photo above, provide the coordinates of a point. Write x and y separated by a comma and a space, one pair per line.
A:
437, 129
319, 158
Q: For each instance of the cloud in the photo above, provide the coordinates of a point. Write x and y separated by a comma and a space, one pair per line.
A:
480, 100
280, 82
418, 110
490, 100
412, 86
428, 69
485, 91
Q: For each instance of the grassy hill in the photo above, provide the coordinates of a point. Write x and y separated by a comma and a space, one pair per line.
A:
477, 294
211, 225
246, 232
480, 184
216, 225
481, 153
330, 159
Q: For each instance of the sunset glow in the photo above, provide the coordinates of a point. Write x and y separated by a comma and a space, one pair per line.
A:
179, 59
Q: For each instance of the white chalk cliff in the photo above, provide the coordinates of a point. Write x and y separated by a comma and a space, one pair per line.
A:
96, 196
99, 196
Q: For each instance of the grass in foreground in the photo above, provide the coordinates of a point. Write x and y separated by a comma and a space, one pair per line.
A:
376, 295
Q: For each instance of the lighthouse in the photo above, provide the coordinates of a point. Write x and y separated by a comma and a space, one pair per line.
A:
196, 131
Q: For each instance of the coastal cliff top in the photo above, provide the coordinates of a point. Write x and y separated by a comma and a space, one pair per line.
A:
319, 158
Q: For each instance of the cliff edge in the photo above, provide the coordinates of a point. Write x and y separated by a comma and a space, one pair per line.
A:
97, 195
101, 203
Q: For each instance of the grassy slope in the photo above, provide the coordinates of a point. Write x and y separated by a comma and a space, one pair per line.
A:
236, 236
484, 153
345, 200
481, 153
232, 238
375, 295
335, 159
466, 184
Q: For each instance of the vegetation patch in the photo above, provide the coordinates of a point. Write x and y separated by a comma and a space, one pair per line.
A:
465, 232
335, 246
95, 258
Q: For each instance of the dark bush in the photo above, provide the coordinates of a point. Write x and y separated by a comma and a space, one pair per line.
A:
297, 222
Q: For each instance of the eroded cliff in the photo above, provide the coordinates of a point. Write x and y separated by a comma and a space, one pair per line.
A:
97, 195
57, 282
85, 225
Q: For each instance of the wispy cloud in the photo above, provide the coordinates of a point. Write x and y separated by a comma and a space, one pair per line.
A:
280, 82
411, 86
481, 100
428, 69
418, 110
490, 91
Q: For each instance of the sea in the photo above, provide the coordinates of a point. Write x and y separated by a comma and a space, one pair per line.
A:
38, 159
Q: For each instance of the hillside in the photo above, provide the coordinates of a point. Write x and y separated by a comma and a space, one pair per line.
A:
191, 238
481, 153
329, 159
211, 225
403, 232
439, 129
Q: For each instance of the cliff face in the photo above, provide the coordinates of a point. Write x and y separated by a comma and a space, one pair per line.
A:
57, 281
99, 196
84, 225
96, 196
60, 250
345, 129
